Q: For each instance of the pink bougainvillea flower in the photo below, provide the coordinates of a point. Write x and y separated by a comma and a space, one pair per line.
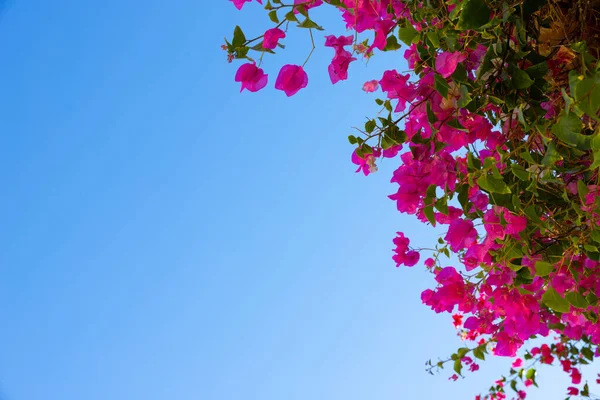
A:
240, 3
251, 77
575, 376
506, 345
371, 86
446, 62
307, 4
572, 391
461, 234
338, 69
366, 164
272, 37
338, 42
517, 363
291, 79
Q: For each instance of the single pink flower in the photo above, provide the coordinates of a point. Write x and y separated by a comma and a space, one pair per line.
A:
572, 391
291, 79
338, 69
240, 3
446, 62
371, 86
575, 376
271, 38
461, 234
517, 363
339, 42
251, 77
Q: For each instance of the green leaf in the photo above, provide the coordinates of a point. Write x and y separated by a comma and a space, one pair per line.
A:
370, 125
430, 214
458, 366
442, 205
520, 79
493, 185
433, 38
537, 70
408, 35
587, 95
543, 268
478, 352
551, 156
530, 373
465, 97
291, 17
582, 190
588, 353
576, 299
441, 85
352, 139
391, 44
238, 37
520, 172
273, 16
474, 15
309, 23
554, 301
568, 130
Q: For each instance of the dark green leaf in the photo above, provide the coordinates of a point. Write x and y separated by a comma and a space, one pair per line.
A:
441, 85
520, 79
474, 15
273, 16
568, 130
238, 37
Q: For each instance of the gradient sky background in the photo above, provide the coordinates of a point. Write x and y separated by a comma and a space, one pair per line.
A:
166, 237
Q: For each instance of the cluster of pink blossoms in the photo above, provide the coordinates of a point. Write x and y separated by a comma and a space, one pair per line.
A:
505, 305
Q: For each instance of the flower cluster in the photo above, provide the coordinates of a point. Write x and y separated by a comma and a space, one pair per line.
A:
496, 136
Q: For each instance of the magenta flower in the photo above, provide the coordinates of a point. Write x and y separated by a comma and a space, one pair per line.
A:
240, 3
446, 62
339, 42
291, 79
271, 38
371, 86
338, 69
251, 77
461, 234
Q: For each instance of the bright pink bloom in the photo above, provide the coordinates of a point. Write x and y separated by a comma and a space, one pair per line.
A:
338, 69
575, 376
528, 382
366, 164
307, 4
461, 234
572, 391
506, 345
240, 3
514, 224
251, 77
339, 42
517, 363
446, 62
272, 37
370, 86
291, 79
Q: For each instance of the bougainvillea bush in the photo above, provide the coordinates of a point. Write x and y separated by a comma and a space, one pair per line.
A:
496, 134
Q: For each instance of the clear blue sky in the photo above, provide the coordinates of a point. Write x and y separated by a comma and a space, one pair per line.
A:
166, 237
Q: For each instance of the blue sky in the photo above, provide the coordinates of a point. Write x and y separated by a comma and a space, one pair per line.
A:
166, 237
